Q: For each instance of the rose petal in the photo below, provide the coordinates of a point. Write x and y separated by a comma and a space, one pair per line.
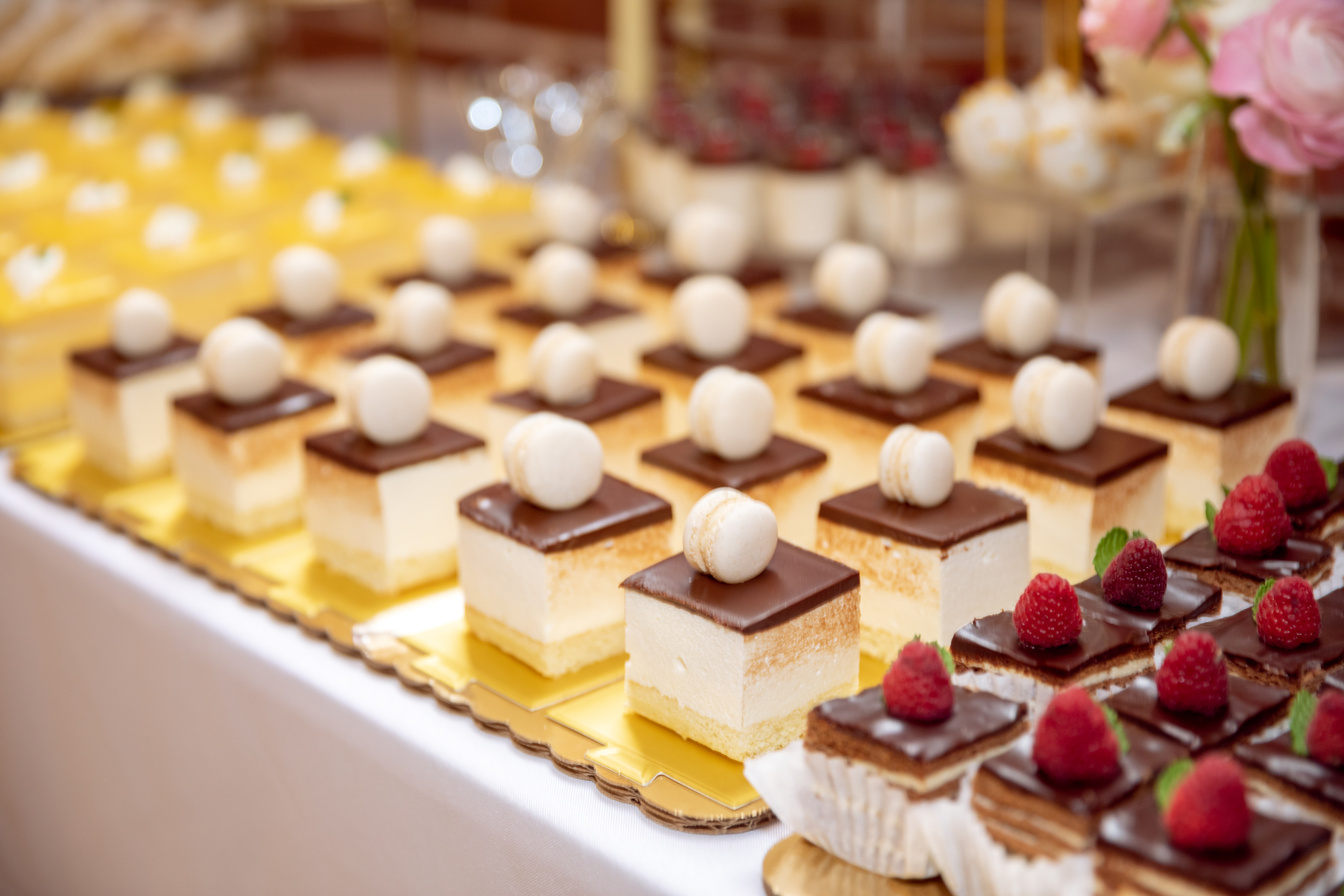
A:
1236, 70
1267, 140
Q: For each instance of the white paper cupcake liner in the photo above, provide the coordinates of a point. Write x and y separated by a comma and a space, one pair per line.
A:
847, 809
1021, 689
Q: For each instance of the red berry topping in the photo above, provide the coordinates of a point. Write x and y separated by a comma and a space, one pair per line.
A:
1253, 520
1074, 744
1208, 809
1325, 734
918, 687
1295, 469
1193, 678
1047, 613
1288, 615
1137, 577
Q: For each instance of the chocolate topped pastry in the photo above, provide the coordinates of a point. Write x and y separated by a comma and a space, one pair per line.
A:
968, 511
290, 398
453, 355
537, 317
1244, 400
656, 266
1199, 554
476, 282
1283, 772
341, 315
615, 509
107, 362
978, 354
809, 313
780, 458
1250, 656
351, 448
1103, 650
935, 397
1108, 455
1251, 707
759, 355
448, 248
1186, 599
610, 397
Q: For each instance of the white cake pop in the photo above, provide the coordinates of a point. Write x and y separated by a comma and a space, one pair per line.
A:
851, 279
389, 400
420, 317
1019, 315
892, 353
1055, 403
306, 279
562, 365
142, 323
242, 361
707, 238
568, 213
730, 536
915, 466
552, 461
711, 314
731, 414
560, 278
448, 246
1198, 357
989, 130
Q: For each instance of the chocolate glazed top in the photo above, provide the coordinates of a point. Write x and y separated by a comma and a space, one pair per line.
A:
1274, 846
811, 313
978, 355
1250, 706
1186, 598
343, 314
1148, 754
760, 354
975, 716
780, 458
995, 637
107, 362
1240, 639
616, 509
293, 397
539, 318
1277, 759
611, 397
1308, 518
350, 448
451, 357
1246, 399
1297, 556
967, 512
1109, 454
935, 397
795, 582
656, 266
476, 281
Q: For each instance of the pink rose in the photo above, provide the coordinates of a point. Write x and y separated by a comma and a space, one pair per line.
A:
1129, 25
1289, 63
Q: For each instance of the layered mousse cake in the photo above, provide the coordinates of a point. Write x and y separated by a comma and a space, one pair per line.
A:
805, 196
1219, 428
562, 368
733, 445
1046, 797
448, 257
1249, 541
733, 642
420, 322
933, 555
381, 495
541, 557
1311, 490
1079, 480
707, 238
1194, 702
121, 394
1287, 639
238, 447
1208, 840
1046, 644
315, 325
890, 387
559, 285
1019, 318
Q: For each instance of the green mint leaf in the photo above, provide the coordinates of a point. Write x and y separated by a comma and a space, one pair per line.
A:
1114, 721
1111, 544
947, 658
1227, 490
391, 141
1331, 469
1210, 512
345, 196
1299, 719
1259, 596
1170, 779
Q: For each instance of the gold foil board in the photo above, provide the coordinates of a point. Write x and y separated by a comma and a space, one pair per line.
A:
794, 867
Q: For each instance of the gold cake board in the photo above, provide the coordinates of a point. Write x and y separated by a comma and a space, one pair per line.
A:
794, 867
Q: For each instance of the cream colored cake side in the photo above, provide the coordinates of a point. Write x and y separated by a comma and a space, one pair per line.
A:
125, 423
319, 357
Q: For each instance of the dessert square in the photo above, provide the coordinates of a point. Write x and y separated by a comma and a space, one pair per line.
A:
738, 667
978, 364
201, 279
927, 759
657, 267
1198, 555
461, 376
1213, 443
1136, 856
927, 571
620, 331
1186, 600
242, 465
1033, 816
789, 476
828, 336
674, 370
627, 418
479, 281
545, 586
1076, 497
1295, 669
314, 346
1325, 521
121, 407
852, 421
1275, 770
386, 515
1251, 708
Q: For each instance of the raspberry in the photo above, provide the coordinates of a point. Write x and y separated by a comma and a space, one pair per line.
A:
1193, 678
1047, 613
1208, 809
1253, 520
1074, 744
917, 687
1288, 615
1137, 577
1325, 734
1295, 469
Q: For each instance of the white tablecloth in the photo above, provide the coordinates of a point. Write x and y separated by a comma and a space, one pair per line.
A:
157, 735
